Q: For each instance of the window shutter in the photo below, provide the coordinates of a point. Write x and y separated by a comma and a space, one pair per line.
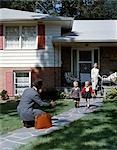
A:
9, 83
1, 37
41, 36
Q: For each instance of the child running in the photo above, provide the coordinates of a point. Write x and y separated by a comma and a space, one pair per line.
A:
87, 93
75, 94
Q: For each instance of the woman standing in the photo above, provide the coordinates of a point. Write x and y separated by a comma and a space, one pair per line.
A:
94, 78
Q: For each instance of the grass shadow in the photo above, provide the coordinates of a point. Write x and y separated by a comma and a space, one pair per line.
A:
9, 119
8, 107
95, 131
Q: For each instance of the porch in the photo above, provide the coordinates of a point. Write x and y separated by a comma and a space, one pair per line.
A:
78, 59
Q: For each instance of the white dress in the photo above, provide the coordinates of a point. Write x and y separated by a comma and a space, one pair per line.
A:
94, 77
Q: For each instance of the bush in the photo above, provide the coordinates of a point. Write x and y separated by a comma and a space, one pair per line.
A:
49, 94
112, 94
63, 95
4, 95
54, 94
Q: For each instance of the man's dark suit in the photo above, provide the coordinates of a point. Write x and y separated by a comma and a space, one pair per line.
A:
25, 108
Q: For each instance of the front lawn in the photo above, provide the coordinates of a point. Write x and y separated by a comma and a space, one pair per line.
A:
9, 119
96, 131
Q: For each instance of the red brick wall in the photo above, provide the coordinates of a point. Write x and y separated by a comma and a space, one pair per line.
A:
108, 60
51, 76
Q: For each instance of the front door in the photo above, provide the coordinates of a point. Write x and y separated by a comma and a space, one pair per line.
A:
85, 65
82, 61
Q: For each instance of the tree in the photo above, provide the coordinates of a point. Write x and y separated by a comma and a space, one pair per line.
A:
90, 9
27, 5
79, 9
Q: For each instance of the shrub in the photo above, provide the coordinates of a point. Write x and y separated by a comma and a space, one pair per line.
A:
4, 95
54, 94
63, 95
51, 94
112, 94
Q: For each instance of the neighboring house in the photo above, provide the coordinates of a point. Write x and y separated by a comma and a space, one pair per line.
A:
34, 45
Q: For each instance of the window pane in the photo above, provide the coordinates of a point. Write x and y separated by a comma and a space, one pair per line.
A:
85, 55
22, 79
22, 74
28, 36
12, 37
85, 67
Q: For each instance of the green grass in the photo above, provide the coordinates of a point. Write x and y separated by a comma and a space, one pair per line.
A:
96, 131
9, 119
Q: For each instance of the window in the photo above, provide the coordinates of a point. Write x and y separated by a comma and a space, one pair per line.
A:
21, 37
28, 37
22, 80
12, 37
85, 67
84, 55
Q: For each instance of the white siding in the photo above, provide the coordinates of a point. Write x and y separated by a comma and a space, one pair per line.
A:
31, 58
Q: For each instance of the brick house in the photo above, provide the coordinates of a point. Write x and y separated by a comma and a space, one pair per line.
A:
34, 45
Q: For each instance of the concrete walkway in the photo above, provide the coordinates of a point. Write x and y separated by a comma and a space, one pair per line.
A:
22, 136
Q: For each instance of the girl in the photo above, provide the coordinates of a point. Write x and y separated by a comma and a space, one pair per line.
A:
87, 93
75, 94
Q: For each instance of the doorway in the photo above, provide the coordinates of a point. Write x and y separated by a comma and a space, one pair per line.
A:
85, 65
82, 61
